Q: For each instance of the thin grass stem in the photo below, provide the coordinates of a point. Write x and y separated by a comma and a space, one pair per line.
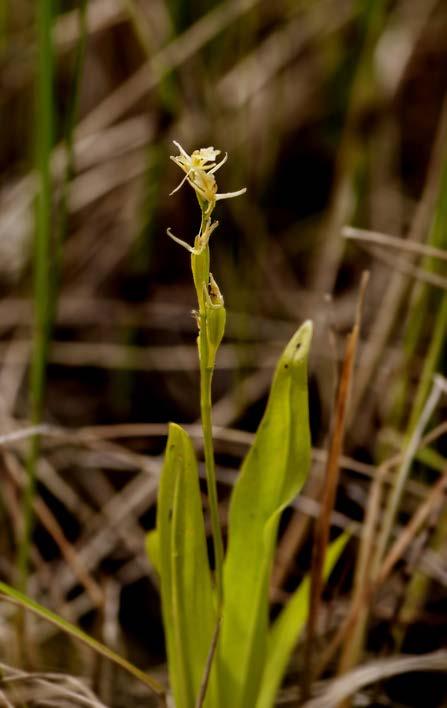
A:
44, 142
72, 115
404, 470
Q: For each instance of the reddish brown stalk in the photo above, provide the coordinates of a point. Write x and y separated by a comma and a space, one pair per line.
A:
321, 534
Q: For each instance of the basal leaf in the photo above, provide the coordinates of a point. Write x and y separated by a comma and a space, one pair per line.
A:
287, 628
274, 470
189, 614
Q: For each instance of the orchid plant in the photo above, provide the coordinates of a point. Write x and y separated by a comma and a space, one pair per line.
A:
221, 650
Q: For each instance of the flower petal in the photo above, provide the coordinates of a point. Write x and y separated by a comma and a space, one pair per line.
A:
181, 150
207, 154
180, 241
228, 195
180, 185
219, 165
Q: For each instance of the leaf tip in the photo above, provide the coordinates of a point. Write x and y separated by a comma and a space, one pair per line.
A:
297, 349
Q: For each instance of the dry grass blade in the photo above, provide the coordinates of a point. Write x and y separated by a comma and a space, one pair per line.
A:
133, 499
351, 631
353, 625
23, 434
352, 639
50, 523
102, 14
411, 529
48, 688
401, 244
330, 486
439, 387
403, 266
342, 688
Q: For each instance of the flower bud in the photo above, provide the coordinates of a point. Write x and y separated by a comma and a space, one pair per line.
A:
215, 319
200, 265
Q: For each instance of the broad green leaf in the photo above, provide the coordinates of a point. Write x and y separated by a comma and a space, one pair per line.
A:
189, 614
19, 599
287, 628
153, 549
273, 472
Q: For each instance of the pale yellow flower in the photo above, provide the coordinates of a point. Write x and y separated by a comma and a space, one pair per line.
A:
199, 168
199, 160
205, 186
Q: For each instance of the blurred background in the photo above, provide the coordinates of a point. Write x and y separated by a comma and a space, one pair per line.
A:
333, 114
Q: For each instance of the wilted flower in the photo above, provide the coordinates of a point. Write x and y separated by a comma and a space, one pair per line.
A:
200, 241
215, 298
215, 318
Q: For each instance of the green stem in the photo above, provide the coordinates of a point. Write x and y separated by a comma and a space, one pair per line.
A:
72, 115
44, 141
200, 264
206, 376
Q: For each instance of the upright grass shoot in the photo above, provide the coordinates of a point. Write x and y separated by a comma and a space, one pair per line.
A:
42, 249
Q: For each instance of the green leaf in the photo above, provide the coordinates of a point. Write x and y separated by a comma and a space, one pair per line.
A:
287, 629
19, 599
189, 614
152, 543
273, 472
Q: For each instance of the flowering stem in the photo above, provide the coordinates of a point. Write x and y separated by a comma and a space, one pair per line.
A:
206, 375
199, 169
200, 268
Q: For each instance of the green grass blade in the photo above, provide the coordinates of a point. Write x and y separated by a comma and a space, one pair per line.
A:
287, 629
273, 472
419, 329
189, 613
44, 143
23, 601
69, 136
